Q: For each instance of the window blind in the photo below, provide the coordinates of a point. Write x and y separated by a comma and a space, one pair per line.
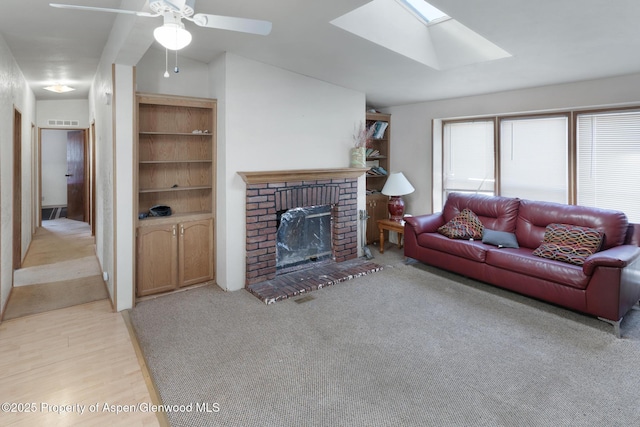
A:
468, 157
608, 161
534, 158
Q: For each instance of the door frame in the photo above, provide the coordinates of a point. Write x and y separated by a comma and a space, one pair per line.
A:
17, 189
92, 177
35, 215
89, 186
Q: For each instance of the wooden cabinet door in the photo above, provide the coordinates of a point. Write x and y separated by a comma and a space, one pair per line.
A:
196, 252
157, 259
377, 208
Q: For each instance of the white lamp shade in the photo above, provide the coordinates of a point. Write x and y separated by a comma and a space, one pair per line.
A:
172, 35
397, 185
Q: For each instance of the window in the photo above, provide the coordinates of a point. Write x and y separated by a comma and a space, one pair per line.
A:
538, 159
468, 157
608, 161
534, 158
424, 11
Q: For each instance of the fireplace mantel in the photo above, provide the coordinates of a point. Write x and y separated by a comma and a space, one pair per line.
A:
265, 177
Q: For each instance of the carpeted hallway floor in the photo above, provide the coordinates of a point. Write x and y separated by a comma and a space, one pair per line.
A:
407, 346
60, 270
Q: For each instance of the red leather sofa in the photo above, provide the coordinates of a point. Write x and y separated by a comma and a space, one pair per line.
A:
607, 285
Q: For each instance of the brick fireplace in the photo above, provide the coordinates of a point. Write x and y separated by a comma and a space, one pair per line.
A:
275, 191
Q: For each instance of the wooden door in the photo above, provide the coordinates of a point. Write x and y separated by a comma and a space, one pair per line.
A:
75, 175
157, 257
17, 189
195, 252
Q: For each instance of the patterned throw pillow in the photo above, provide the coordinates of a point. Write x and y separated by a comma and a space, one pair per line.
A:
465, 225
569, 243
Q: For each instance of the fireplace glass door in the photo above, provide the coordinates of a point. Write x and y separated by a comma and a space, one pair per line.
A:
304, 235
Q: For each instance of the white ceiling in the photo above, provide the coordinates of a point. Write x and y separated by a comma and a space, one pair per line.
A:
551, 41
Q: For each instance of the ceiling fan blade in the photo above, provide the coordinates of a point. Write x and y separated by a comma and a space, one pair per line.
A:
244, 25
102, 9
177, 5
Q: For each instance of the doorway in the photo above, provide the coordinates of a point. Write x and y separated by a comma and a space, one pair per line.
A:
64, 190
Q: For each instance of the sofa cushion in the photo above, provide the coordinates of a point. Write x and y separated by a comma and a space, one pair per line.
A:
495, 212
524, 262
534, 216
569, 243
501, 239
469, 249
465, 225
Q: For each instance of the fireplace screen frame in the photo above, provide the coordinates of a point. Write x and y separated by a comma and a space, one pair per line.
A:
305, 235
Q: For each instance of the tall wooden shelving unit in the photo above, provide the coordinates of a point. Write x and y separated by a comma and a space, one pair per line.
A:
376, 201
176, 167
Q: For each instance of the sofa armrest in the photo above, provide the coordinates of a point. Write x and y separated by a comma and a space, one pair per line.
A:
424, 223
619, 256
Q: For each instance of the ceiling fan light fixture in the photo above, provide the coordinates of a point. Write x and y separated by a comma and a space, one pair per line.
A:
172, 35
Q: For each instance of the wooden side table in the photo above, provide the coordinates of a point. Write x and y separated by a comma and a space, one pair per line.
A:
390, 225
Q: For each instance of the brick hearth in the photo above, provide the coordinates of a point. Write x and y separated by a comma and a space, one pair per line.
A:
311, 279
291, 189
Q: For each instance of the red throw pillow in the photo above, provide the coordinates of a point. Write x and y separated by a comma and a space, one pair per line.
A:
569, 243
465, 225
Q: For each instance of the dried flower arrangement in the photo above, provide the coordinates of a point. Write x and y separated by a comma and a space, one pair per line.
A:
362, 135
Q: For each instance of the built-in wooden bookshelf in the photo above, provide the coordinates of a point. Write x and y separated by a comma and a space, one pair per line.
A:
176, 141
380, 145
176, 168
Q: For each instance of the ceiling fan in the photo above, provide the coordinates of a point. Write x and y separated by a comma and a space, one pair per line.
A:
172, 33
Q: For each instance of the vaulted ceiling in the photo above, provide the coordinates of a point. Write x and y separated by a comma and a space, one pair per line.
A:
549, 41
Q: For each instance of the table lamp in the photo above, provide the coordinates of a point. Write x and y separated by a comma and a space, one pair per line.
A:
396, 187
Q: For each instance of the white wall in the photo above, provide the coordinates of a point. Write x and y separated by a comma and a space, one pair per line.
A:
100, 111
125, 218
14, 93
68, 109
218, 85
192, 80
411, 150
112, 96
53, 143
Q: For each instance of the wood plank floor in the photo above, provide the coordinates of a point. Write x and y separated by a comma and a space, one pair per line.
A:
71, 358
59, 240
83, 358
60, 270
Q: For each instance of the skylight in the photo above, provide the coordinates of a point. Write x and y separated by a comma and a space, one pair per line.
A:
435, 40
423, 10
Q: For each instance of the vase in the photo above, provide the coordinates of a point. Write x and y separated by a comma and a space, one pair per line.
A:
358, 157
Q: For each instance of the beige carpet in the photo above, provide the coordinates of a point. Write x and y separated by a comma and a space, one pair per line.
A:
407, 346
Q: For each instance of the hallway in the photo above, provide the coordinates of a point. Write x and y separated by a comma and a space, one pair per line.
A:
60, 270
75, 365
